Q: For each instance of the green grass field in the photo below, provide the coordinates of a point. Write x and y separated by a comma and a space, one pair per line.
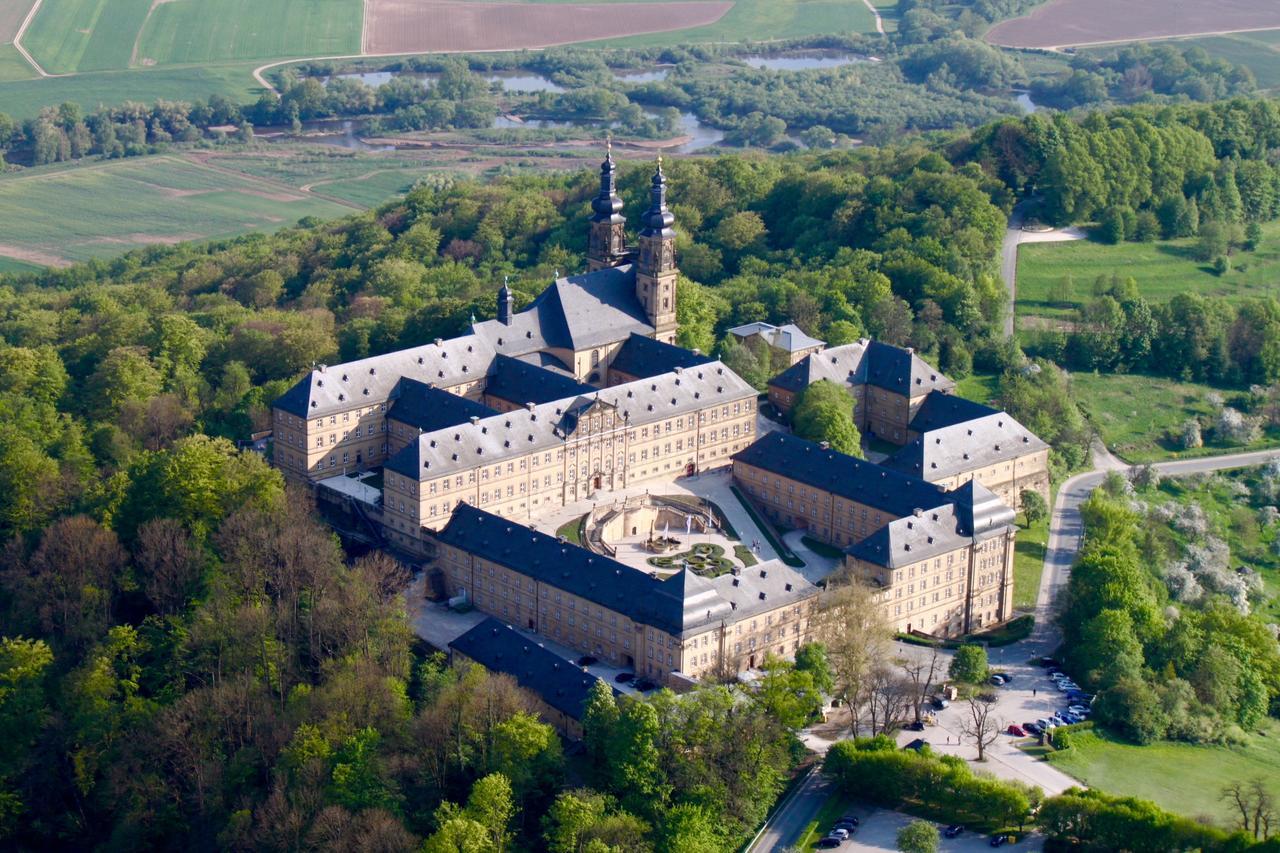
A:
191, 31
1162, 269
24, 99
358, 178
101, 210
1028, 563
1182, 778
979, 387
1135, 414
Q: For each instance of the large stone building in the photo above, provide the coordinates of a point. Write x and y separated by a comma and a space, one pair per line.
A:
582, 392
674, 631
787, 343
954, 440
889, 384
941, 560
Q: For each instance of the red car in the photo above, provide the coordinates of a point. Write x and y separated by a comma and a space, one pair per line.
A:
1016, 730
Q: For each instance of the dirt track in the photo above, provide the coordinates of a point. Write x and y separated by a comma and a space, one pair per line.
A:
1067, 23
415, 26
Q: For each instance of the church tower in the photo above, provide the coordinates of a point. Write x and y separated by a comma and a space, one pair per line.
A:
607, 241
656, 267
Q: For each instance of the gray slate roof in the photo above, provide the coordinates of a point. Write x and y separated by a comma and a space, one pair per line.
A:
943, 410
575, 312
865, 363
642, 356
498, 647
856, 479
341, 387
973, 513
548, 424
965, 446
683, 604
518, 382
788, 337
429, 408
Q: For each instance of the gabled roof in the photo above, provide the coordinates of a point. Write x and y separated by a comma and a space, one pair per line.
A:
575, 312
341, 387
943, 410
464, 446
683, 604
973, 513
788, 337
965, 446
498, 647
865, 363
856, 479
428, 408
519, 382
907, 540
642, 356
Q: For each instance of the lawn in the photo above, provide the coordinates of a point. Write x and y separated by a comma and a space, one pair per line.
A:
1179, 777
193, 31
104, 209
1162, 270
1137, 415
1028, 563
979, 387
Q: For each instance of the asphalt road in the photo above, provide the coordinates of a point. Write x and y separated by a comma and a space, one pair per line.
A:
801, 807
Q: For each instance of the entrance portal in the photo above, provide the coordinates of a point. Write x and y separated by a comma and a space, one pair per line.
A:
689, 470
595, 484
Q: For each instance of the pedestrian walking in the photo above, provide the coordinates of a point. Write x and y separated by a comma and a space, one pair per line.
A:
1033, 692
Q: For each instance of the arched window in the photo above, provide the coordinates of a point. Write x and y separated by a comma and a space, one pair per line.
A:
595, 357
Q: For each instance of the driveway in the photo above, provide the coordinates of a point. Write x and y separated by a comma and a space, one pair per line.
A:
879, 831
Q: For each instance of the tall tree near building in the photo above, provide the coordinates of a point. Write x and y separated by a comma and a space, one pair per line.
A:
824, 412
857, 637
922, 673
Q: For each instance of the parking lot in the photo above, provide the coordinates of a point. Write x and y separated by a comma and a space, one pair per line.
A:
879, 831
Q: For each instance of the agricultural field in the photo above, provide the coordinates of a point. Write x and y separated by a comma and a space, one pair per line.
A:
408, 26
1066, 23
1179, 777
55, 216
762, 20
24, 98
198, 31
358, 179
1055, 279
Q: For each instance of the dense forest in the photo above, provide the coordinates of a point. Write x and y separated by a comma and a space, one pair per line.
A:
191, 660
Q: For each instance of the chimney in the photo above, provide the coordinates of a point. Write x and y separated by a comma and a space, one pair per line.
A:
825, 445
474, 420
439, 341
529, 406
321, 367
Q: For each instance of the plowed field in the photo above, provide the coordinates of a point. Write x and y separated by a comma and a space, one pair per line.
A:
1066, 23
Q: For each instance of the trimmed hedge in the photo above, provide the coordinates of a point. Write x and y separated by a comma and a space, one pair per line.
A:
941, 787
1092, 820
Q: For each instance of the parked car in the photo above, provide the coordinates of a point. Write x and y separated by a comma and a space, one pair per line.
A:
1079, 709
829, 843
852, 820
625, 677
1005, 675
839, 832
915, 726
1065, 686
1047, 662
1016, 730
644, 685
1032, 728
998, 840
953, 831
941, 702
587, 660
997, 680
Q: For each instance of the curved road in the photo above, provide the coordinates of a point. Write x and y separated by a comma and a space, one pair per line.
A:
1065, 531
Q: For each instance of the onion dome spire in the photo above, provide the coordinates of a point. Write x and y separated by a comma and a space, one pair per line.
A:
607, 206
658, 219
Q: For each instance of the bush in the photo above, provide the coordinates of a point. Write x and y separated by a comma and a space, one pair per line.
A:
1092, 820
